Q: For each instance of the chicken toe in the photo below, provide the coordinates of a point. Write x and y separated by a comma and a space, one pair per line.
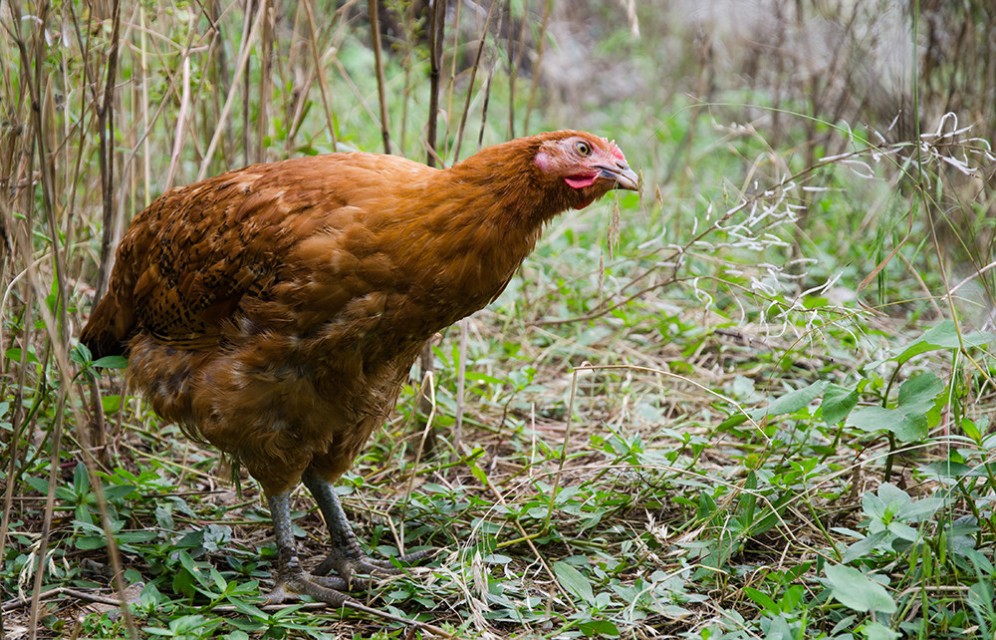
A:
347, 557
291, 579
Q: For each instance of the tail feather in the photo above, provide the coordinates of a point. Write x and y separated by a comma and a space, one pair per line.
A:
109, 327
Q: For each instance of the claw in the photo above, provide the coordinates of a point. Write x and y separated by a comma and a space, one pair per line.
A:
321, 588
347, 559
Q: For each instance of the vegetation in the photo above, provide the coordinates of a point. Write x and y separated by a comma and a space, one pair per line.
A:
752, 401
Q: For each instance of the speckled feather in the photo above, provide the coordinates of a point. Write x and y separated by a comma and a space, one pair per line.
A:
275, 311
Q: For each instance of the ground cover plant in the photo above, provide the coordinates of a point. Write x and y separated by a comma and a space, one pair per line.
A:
752, 401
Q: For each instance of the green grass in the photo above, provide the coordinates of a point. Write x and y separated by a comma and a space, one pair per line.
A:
741, 404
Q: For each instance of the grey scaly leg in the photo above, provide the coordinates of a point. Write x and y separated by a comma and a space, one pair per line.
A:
291, 579
347, 556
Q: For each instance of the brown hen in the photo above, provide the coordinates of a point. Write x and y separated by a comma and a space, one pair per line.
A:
275, 311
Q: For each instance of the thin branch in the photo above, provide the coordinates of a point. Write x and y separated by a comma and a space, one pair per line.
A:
322, 84
105, 128
473, 76
379, 64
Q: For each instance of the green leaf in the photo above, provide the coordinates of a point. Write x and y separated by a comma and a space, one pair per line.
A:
118, 491
89, 543
909, 420
573, 581
944, 336
948, 469
872, 419
80, 354
598, 629
110, 362
857, 591
878, 631
767, 604
111, 403
790, 402
917, 394
837, 403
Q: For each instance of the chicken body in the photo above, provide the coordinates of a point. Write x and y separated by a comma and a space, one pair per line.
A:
276, 311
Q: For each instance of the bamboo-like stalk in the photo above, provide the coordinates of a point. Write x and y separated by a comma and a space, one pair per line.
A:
265, 82
437, 22
473, 76
379, 65
105, 128
247, 42
322, 84
534, 85
245, 67
515, 64
437, 19
454, 56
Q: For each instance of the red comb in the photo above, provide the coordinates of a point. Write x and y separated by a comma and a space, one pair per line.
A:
614, 150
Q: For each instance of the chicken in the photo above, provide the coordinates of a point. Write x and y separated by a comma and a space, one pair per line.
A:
275, 311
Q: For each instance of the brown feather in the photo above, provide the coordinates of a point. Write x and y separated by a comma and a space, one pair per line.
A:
276, 310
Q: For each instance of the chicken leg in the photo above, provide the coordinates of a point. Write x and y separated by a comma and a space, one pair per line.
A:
291, 579
346, 557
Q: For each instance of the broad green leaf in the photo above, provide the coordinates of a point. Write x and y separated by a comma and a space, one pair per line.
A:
110, 362
878, 631
893, 495
944, 336
908, 427
969, 427
873, 419
837, 403
948, 469
911, 427
767, 604
864, 546
573, 581
909, 420
791, 401
903, 531
141, 535
857, 591
917, 394
80, 354
118, 491
922, 509
111, 403
598, 629
89, 543
478, 473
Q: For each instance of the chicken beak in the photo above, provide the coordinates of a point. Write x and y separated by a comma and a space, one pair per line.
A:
621, 174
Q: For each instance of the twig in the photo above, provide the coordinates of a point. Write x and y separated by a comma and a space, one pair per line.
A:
473, 76
437, 22
181, 120
105, 128
322, 84
379, 65
247, 43
537, 70
16, 603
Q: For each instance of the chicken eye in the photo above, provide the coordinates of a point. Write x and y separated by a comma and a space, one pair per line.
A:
583, 148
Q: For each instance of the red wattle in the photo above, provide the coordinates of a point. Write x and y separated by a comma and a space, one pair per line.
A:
580, 182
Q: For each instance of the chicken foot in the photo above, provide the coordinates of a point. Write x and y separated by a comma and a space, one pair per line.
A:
292, 580
347, 556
